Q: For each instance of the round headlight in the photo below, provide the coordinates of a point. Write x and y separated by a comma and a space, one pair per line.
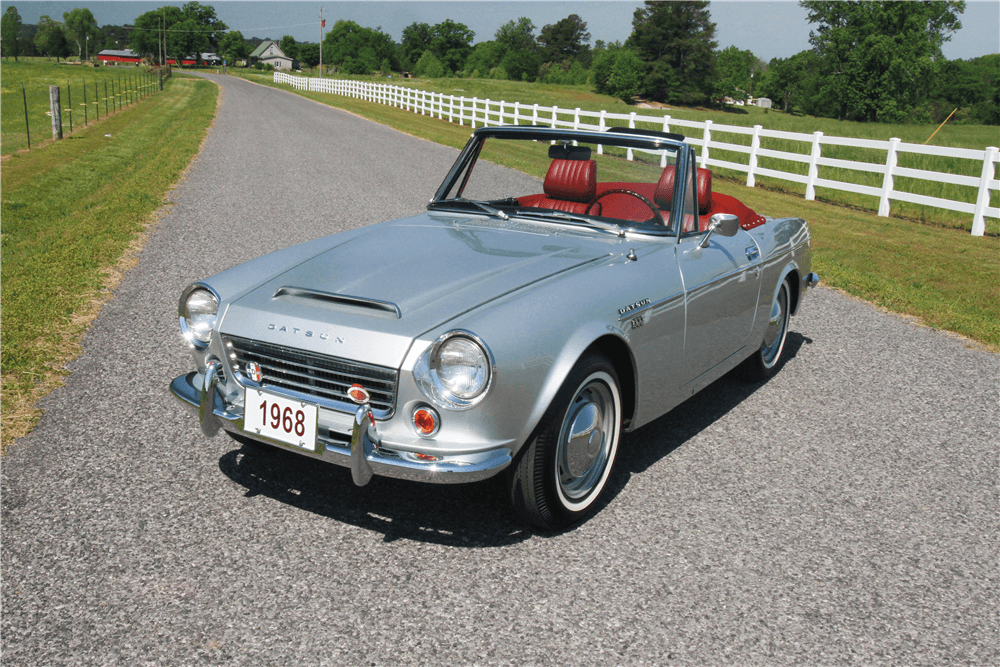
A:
455, 371
198, 316
463, 368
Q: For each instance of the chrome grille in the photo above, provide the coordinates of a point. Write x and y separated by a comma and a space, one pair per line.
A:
324, 377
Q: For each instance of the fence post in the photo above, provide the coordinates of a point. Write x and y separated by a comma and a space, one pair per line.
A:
517, 113
813, 166
754, 147
631, 125
989, 173
69, 105
86, 116
473, 123
554, 118
706, 140
27, 127
576, 119
160, 72
887, 180
56, 111
666, 128
601, 124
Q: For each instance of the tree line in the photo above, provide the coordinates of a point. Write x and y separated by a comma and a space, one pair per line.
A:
868, 61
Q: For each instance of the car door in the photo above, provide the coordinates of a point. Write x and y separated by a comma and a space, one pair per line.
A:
721, 288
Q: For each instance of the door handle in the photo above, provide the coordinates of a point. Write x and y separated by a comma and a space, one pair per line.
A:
752, 252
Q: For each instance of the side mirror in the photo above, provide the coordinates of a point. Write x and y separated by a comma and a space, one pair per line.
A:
723, 224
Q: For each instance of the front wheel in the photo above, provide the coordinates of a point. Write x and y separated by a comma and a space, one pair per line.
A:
559, 476
761, 365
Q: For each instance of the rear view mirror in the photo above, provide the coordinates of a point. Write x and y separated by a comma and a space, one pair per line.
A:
723, 224
569, 152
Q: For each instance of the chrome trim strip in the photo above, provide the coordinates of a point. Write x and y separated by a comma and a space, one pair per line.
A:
649, 306
364, 302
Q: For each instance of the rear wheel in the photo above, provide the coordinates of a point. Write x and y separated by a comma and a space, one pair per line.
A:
761, 365
559, 476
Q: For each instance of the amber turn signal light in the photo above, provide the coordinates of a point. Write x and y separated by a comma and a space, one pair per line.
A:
426, 421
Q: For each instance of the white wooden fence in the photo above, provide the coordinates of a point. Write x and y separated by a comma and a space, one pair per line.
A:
482, 112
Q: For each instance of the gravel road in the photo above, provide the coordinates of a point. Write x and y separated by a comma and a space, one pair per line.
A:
843, 513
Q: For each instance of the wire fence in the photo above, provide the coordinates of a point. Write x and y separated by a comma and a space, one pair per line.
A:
26, 120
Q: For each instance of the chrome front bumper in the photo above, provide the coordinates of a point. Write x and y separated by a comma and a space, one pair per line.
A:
366, 456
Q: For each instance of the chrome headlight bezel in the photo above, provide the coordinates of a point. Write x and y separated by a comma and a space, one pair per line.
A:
427, 375
198, 333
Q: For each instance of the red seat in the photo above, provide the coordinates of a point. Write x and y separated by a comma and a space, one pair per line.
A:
570, 185
709, 203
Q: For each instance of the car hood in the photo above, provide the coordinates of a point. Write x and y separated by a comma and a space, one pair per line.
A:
369, 297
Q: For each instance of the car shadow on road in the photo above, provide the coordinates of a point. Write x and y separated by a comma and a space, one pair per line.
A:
472, 515
658, 439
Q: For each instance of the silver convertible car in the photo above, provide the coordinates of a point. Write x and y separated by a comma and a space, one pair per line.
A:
515, 327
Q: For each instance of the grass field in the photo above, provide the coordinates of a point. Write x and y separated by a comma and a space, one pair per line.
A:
943, 276
71, 211
975, 137
90, 92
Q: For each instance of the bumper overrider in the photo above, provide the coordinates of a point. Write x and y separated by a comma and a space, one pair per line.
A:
366, 456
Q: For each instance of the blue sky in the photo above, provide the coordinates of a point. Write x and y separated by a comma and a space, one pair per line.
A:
769, 29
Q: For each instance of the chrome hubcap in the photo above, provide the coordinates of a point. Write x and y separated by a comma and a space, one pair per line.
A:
774, 338
585, 440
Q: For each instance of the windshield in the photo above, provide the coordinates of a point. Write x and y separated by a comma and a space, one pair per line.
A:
620, 183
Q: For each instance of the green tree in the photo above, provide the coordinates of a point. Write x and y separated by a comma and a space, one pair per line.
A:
787, 79
451, 42
188, 31
50, 40
114, 37
602, 63
415, 41
429, 66
484, 57
233, 48
521, 58
877, 58
81, 29
626, 75
10, 29
733, 68
289, 47
566, 39
675, 41
358, 50
309, 54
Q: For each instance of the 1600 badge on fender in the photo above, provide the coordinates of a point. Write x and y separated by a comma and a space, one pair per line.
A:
410, 388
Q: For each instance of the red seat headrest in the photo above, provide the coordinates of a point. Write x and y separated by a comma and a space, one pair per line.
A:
575, 180
664, 193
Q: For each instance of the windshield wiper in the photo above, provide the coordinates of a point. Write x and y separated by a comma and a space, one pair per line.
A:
573, 217
495, 212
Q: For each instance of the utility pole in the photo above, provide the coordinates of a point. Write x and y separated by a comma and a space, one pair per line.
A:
322, 24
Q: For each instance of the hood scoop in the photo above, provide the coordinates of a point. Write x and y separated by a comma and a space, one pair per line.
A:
296, 293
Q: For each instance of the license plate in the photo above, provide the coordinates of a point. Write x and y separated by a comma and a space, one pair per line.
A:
283, 419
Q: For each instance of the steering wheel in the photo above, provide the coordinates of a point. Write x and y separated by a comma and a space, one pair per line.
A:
622, 191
